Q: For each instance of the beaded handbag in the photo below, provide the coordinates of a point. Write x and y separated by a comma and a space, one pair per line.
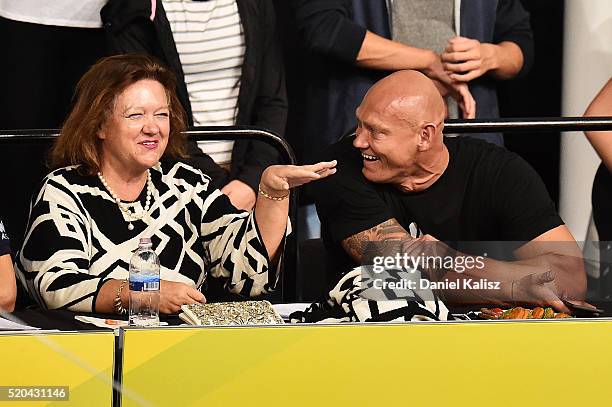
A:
231, 313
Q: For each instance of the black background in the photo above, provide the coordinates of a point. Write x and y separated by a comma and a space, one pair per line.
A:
539, 93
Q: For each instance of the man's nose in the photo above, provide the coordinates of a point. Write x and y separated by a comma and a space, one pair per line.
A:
361, 139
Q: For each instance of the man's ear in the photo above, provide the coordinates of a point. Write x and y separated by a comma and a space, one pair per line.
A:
426, 136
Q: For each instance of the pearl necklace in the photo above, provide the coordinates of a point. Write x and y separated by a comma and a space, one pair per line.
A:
124, 207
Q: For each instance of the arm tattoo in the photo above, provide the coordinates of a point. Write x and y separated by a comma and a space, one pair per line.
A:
390, 238
359, 244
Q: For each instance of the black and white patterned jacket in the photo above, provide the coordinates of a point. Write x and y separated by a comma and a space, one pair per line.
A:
77, 237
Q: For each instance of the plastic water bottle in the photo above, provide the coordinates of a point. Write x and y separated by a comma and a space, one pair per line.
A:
144, 285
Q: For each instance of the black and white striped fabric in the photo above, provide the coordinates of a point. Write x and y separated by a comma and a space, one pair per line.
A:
210, 42
346, 303
77, 237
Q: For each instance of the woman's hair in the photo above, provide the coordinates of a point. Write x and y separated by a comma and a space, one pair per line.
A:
94, 100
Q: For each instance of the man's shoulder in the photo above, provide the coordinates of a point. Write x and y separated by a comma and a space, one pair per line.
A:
488, 167
475, 154
474, 145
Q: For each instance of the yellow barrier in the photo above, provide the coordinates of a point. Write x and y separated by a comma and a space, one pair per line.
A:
38, 365
542, 363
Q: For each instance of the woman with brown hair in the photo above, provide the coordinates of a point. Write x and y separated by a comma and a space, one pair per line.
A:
118, 180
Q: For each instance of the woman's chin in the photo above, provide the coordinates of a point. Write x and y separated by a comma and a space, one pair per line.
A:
149, 161
143, 165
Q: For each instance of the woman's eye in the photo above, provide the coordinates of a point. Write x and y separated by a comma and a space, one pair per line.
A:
134, 115
164, 114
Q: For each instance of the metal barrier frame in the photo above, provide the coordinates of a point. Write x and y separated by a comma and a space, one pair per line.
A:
552, 124
289, 289
548, 124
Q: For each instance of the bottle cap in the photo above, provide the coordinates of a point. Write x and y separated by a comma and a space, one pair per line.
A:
146, 241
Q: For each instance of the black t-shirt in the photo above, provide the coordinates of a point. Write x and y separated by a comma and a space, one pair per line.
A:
5, 247
486, 194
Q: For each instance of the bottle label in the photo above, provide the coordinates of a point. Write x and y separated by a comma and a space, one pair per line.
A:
145, 284
151, 286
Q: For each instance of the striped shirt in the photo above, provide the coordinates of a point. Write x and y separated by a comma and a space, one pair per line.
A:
210, 42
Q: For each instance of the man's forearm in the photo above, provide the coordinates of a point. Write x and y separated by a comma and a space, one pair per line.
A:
492, 281
470, 279
389, 240
380, 53
456, 288
570, 278
504, 60
542, 279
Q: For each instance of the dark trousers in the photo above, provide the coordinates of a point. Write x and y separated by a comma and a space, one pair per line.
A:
40, 67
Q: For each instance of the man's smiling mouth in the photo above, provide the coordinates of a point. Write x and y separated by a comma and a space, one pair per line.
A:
368, 157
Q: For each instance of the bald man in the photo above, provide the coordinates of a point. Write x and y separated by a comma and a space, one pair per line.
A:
399, 180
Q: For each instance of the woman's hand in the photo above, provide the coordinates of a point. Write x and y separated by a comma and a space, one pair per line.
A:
276, 180
173, 295
272, 208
